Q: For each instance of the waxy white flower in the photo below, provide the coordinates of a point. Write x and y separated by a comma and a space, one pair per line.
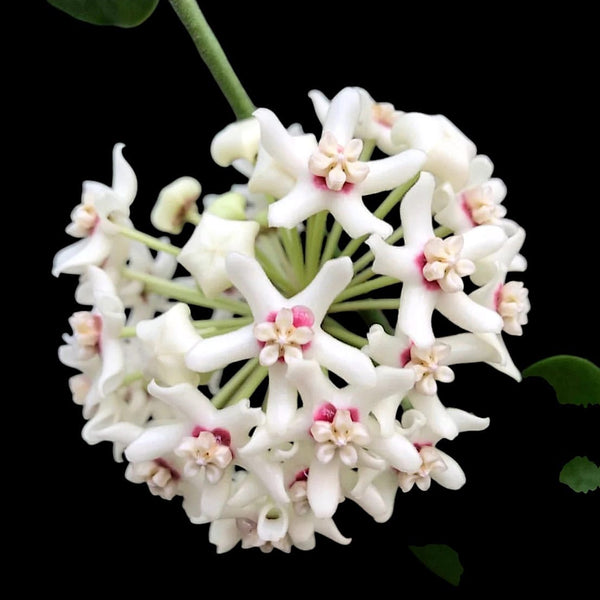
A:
95, 220
166, 339
430, 269
430, 364
176, 205
479, 202
204, 253
375, 120
449, 151
239, 140
211, 458
162, 477
329, 176
95, 346
268, 337
436, 464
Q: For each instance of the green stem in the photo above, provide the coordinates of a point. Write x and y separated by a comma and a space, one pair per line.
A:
182, 293
373, 303
225, 323
366, 287
292, 243
341, 333
148, 240
213, 56
315, 232
331, 246
273, 273
249, 386
375, 315
127, 332
368, 256
223, 395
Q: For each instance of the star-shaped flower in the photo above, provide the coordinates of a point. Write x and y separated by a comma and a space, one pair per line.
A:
431, 268
329, 175
94, 220
284, 328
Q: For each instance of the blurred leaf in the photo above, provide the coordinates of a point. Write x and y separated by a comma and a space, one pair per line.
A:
581, 475
575, 380
441, 560
121, 13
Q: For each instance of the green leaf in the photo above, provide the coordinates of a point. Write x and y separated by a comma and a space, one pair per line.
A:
120, 13
575, 380
581, 475
440, 559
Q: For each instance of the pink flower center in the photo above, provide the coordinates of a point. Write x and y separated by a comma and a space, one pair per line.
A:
326, 412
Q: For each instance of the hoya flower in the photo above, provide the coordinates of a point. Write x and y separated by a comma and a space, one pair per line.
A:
431, 269
95, 346
96, 219
436, 464
130, 404
479, 202
343, 434
510, 299
430, 365
204, 253
176, 205
206, 440
166, 339
239, 140
375, 120
284, 328
449, 151
330, 175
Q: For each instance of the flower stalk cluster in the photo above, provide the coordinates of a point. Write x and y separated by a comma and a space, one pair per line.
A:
274, 349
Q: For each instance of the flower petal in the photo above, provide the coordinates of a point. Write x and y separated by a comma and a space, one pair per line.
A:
356, 219
392, 171
155, 442
468, 314
417, 304
415, 211
323, 487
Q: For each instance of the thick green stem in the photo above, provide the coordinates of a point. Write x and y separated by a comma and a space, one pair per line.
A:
148, 240
292, 243
315, 232
182, 293
235, 322
331, 245
249, 386
224, 394
366, 287
341, 333
374, 303
213, 56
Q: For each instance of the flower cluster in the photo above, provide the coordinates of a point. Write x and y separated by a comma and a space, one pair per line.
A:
256, 371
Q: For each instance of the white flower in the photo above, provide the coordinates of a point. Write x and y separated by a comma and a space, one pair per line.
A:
328, 176
479, 202
430, 268
269, 339
449, 151
94, 220
95, 346
208, 462
176, 205
204, 253
375, 120
239, 140
166, 339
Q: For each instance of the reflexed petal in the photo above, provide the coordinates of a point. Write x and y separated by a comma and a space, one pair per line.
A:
113, 366
386, 349
356, 219
392, 171
295, 207
155, 442
480, 170
481, 241
469, 348
332, 278
415, 212
187, 400
417, 304
438, 419
124, 181
282, 399
398, 262
224, 534
344, 360
278, 142
238, 140
453, 477
221, 350
468, 314
75, 258
323, 488
320, 104
214, 496
466, 421
342, 115
398, 451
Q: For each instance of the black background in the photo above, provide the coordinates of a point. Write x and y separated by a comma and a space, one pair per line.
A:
514, 85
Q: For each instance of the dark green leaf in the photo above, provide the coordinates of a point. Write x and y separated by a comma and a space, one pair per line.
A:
440, 559
575, 380
121, 13
581, 475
